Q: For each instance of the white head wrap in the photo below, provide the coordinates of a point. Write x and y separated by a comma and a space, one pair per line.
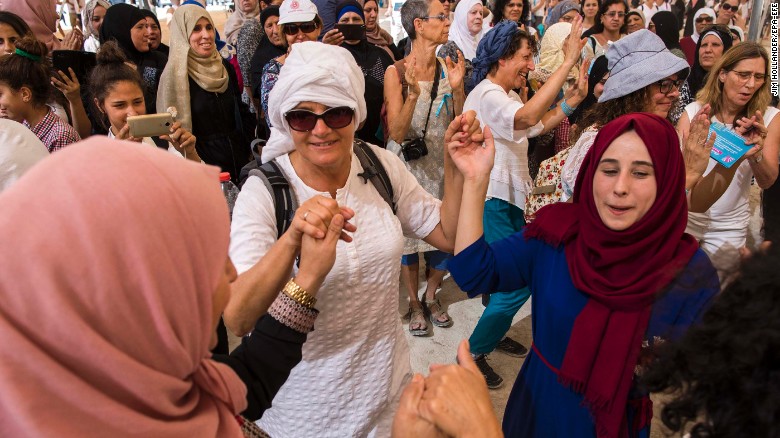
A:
459, 31
313, 72
21, 150
708, 11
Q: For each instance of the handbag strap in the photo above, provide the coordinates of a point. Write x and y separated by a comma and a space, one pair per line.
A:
434, 93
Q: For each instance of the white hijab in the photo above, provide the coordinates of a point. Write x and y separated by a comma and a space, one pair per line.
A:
709, 11
20, 150
459, 31
313, 72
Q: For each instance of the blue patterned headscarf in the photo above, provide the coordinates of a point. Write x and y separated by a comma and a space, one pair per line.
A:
490, 49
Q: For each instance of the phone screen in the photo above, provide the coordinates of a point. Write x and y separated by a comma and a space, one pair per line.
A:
81, 63
352, 32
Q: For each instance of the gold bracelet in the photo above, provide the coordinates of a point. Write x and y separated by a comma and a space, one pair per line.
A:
299, 294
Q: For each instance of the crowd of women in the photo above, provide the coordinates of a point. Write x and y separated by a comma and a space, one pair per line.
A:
566, 158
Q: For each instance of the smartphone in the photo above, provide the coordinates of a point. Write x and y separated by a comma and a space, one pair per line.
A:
81, 63
352, 32
150, 125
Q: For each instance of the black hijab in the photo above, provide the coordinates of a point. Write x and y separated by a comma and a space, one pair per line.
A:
117, 23
595, 75
698, 75
162, 47
667, 28
265, 51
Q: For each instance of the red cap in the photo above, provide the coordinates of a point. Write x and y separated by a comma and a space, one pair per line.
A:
224, 176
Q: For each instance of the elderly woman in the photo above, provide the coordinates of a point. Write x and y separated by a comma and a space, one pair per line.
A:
612, 273
375, 34
152, 307
373, 61
737, 92
154, 32
92, 16
422, 96
610, 27
245, 10
355, 363
126, 25
503, 57
635, 20
703, 18
270, 45
466, 29
710, 47
204, 90
631, 87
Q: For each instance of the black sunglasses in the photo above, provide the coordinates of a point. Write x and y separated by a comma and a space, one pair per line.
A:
292, 28
305, 120
704, 20
728, 7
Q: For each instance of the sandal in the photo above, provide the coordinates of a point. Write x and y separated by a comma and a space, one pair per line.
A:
437, 313
417, 319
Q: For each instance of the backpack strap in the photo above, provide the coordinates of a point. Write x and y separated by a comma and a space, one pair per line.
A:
400, 68
374, 171
285, 202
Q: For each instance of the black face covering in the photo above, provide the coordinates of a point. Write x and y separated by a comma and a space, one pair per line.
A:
118, 22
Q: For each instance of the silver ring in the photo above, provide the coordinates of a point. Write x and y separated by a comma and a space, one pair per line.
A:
305, 214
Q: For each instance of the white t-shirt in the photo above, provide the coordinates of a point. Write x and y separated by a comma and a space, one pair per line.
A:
356, 361
648, 12
726, 222
510, 179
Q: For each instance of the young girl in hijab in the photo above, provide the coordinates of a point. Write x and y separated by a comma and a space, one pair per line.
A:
612, 274
92, 15
204, 90
126, 25
25, 89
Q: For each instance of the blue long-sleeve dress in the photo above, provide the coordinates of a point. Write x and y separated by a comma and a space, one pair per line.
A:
538, 405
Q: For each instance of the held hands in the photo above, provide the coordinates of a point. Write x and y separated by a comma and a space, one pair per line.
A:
314, 217
572, 47
697, 147
472, 151
67, 84
333, 37
452, 401
755, 132
318, 256
456, 71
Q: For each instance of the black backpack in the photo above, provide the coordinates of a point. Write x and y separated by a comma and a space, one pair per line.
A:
285, 202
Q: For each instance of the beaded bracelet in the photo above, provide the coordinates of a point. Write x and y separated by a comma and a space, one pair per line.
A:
567, 110
293, 314
299, 294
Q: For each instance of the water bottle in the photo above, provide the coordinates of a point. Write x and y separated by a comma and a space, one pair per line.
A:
229, 190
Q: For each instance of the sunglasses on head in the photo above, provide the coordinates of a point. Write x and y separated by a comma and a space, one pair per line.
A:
704, 20
304, 120
728, 7
292, 28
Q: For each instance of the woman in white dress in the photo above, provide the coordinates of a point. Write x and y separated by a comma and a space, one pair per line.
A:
357, 359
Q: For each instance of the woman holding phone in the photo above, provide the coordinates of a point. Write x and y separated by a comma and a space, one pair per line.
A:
117, 91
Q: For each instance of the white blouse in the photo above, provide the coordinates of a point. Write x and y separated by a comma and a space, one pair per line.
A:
356, 361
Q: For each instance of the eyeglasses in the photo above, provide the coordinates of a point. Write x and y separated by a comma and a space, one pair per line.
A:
293, 28
744, 76
304, 120
728, 7
440, 17
444, 1
615, 14
705, 20
667, 85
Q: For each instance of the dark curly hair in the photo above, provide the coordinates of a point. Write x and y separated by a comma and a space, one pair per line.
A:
498, 11
602, 113
725, 372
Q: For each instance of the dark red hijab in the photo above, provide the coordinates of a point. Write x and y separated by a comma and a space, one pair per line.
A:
620, 271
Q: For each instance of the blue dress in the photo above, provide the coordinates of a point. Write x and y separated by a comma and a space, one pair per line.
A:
538, 405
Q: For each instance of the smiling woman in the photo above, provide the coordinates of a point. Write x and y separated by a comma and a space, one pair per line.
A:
204, 89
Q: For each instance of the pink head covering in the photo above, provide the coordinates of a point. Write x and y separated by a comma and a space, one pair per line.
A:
40, 15
112, 254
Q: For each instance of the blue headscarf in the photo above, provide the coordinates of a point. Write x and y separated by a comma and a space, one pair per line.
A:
490, 49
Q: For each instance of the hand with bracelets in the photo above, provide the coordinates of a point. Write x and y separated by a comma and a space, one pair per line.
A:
317, 258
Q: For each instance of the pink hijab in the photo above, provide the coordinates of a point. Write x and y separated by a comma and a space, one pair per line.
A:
40, 15
112, 254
